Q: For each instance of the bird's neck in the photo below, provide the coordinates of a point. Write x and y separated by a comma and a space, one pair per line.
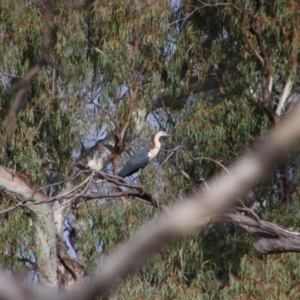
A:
156, 149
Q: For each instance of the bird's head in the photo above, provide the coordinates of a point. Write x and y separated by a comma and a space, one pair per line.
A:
162, 133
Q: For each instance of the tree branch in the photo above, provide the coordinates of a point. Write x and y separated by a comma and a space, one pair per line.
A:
9, 125
166, 98
42, 218
284, 95
269, 237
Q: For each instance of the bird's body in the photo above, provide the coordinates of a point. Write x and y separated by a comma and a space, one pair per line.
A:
138, 161
142, 157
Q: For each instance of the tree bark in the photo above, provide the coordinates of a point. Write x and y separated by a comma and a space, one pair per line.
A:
43, 222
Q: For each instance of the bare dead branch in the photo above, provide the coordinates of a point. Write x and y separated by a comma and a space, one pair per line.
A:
269, 237
36, 197
194, 158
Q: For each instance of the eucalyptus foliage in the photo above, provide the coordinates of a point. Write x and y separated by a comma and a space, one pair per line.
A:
109, 59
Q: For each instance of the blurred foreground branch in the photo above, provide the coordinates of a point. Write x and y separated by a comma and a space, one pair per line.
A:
187, 216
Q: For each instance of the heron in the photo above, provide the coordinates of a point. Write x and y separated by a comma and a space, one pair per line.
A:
142, 157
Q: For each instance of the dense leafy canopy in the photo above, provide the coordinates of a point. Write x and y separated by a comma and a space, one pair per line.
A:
119, 71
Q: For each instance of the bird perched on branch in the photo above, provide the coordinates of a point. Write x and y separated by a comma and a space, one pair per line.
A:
142, 158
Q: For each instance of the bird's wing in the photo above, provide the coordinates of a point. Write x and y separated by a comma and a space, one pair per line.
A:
136, 162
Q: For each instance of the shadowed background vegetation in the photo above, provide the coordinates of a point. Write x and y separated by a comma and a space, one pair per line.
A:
116, 72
